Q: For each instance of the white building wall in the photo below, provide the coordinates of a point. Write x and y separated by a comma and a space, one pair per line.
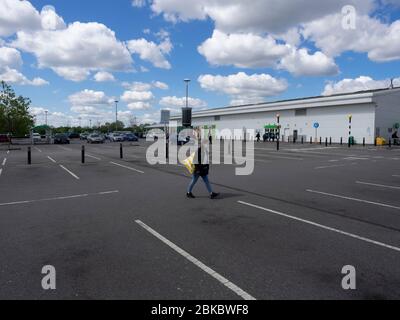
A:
387, 113
334, 122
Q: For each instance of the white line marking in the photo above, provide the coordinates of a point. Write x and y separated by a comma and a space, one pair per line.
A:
198, 263
355, 158
8, 151
38, 149
66, 149
51, 159
1, 171
311, 149
354, 199
129, 168
58, 198
396, 175
278, 157
108, 192
377, 185
351, 235
335, 166
90, 156
4, 162
71, 173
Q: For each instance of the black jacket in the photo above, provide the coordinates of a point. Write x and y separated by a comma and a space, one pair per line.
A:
201, 169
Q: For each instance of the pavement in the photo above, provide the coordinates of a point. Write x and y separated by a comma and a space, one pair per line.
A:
123, 229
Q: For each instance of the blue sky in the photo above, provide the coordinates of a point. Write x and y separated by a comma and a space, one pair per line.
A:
252, 60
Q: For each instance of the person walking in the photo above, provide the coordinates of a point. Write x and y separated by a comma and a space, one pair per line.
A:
201, 169
258, 136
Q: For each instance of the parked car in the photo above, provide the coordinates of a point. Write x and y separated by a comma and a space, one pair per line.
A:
4, 138
116, 137
95, 138
61, 138
36, 137
84, 136
130, 137
73, 135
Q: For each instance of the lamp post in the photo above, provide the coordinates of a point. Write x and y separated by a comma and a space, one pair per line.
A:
46, 112
116, 115
278, 119
187, 81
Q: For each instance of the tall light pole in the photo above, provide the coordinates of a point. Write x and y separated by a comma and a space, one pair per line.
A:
278, 119
187, 81
116, 115
46, 112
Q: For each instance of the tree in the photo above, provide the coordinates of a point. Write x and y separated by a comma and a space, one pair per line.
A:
14, 112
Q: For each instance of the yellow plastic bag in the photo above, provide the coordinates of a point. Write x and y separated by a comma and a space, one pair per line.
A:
188, 163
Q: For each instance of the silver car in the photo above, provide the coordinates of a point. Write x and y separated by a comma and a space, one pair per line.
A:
95, 138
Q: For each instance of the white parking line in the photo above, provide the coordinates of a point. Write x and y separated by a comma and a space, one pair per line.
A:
1, 171
351, 235
241, 293
396, 175
335, 166
38, 149
66, 149
93, 157
4, 162
8, 151
278, 157
129, 168
71, 173
58, 198
354, 199
51, 159
377, 185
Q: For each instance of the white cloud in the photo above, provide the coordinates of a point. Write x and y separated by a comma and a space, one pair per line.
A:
103, 76
242, 50
160, 85
77, 50
137, 86
89, 102
174, 102
150, 51
50, 20
244, 88
16, 77
10, 57
380, 40
135, 96
361, 83
301, 63
140, 105
16, 15
274, 16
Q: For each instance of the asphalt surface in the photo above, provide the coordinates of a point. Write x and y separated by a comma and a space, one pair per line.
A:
123, 229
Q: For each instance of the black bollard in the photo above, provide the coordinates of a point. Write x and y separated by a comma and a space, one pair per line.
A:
390, 143
363, 142
320, 140
330, 141
376, 142
326, 142
121, 151
302, 140
83, 154
341, 141
349, 142
311, 140
29, 155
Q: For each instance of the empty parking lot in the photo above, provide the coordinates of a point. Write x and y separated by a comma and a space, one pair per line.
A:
121, 228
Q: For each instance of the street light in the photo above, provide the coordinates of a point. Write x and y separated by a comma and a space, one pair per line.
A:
46, 112
187, 81
350, 121
278, 119
116, 115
